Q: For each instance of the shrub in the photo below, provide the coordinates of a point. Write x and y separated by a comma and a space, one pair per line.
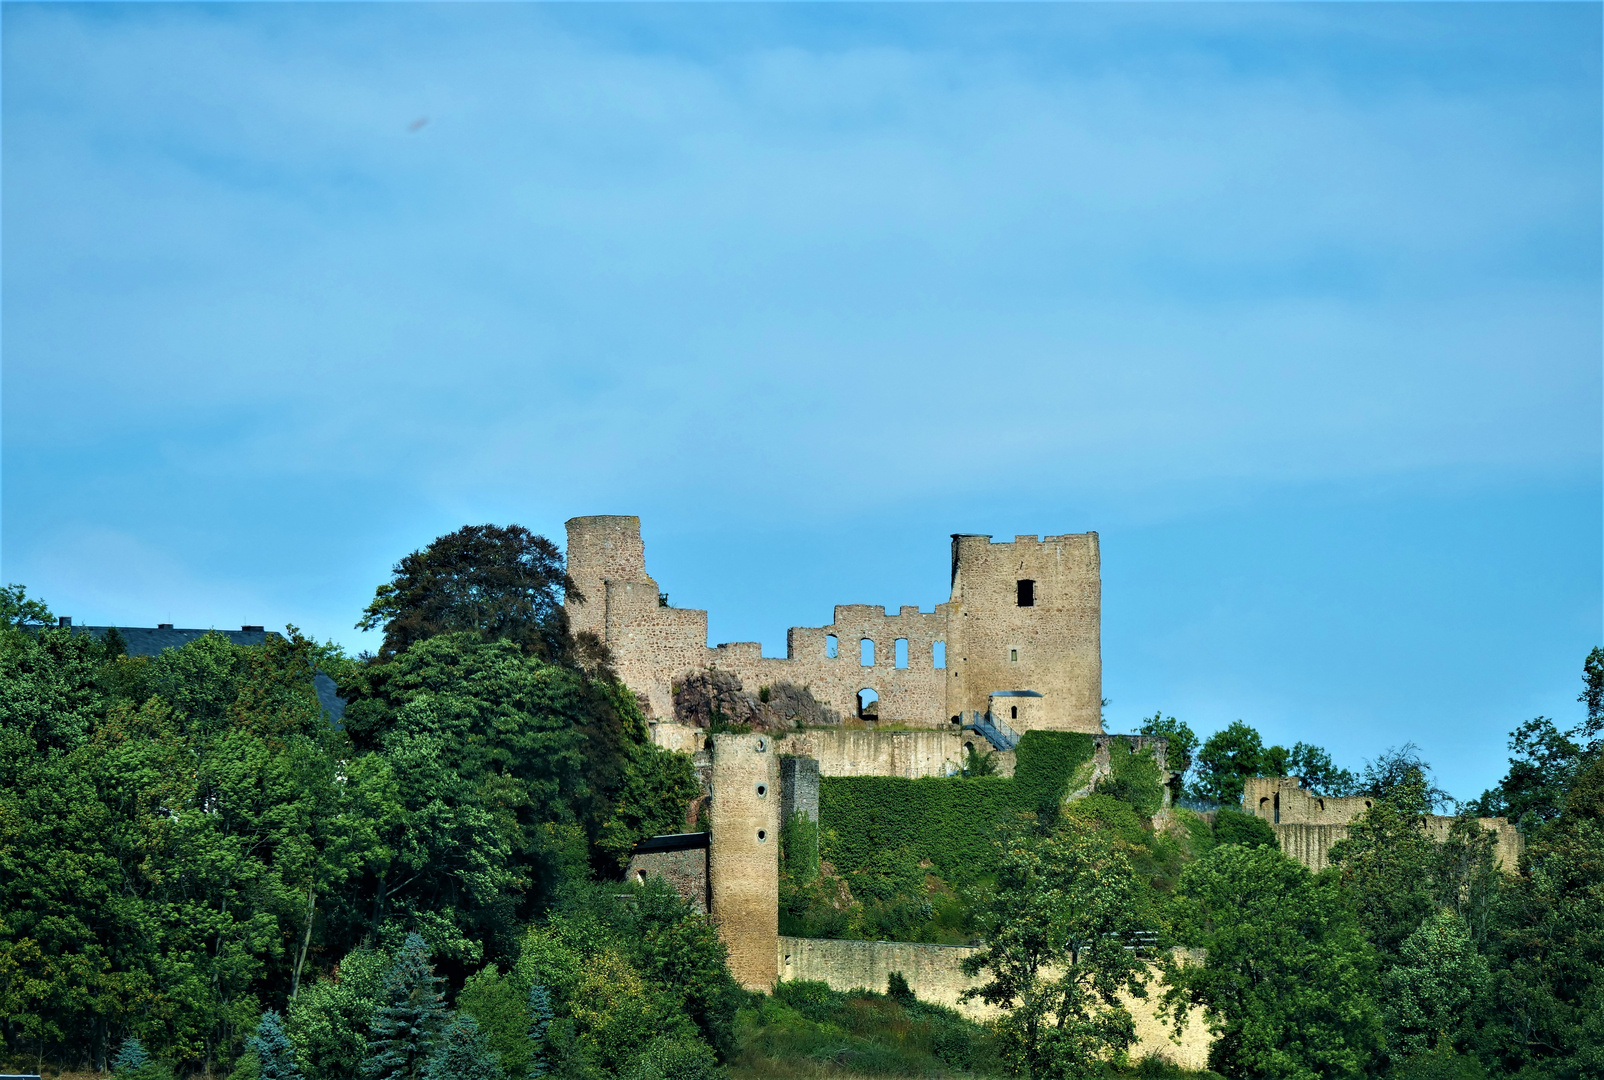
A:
1235, 827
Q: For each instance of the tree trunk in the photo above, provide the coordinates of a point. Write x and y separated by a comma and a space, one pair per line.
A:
306, 943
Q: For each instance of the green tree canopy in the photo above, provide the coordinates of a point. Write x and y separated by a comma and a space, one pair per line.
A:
1286, 980
1057, 925
499, 582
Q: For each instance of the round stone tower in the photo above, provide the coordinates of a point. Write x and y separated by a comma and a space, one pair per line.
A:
744, 856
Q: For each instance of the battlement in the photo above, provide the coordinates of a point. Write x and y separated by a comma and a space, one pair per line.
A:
1023, 617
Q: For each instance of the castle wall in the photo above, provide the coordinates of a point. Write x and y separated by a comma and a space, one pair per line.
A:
1052, 647
858, 752
684, 869
744, 855
990, 643
934, 974
1308, 824
799, 788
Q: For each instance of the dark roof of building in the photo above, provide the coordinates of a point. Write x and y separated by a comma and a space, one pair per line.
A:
682, 841
148, 641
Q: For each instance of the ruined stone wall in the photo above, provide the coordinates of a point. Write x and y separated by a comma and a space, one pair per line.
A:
990, 642
1052, 647
654, 646
934, 974
685, 870
1308, 824
799, 788
857, 752
743, 859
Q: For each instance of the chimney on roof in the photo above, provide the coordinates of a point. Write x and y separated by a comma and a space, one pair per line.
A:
251, 629
164, 626
64, 620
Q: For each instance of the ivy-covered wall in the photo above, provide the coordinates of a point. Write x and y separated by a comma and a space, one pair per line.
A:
949, 820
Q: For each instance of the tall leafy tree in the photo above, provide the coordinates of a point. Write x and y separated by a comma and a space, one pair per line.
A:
1057, 926
1547, 950
1286, 979
1431, 994
1225, 761
494, 581
1387, 865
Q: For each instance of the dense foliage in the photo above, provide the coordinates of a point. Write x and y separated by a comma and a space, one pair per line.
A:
189, 845
200, 871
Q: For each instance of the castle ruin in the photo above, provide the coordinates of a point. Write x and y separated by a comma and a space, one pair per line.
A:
1023, 621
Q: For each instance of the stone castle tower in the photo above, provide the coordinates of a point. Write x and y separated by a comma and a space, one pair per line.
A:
1023, 622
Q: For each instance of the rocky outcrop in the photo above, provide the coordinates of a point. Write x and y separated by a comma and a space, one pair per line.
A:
709, 698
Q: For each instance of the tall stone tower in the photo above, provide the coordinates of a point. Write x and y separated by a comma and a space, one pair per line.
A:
652, 644
744, 856
1024, 622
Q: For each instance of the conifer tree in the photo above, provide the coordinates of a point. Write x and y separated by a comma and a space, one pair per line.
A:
274, 1053
539, 1021
130, 1056
403, 1032
462, 1053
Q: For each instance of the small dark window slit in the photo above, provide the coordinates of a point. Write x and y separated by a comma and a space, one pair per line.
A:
1027, 593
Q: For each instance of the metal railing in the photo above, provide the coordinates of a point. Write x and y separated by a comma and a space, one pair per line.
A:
998, 733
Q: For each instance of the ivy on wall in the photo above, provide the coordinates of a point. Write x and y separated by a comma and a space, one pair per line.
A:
1044, 762
949, 820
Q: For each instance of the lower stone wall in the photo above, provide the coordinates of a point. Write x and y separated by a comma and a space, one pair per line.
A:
935, 975
1311, 844
858, 752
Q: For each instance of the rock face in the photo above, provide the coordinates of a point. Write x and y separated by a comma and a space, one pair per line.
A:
709, 697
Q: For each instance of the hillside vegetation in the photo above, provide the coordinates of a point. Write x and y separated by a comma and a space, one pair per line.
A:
201, 874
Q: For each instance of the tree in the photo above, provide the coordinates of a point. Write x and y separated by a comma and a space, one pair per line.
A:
1226, 760
1547, 949
539, 1024
1430, 993
1286, 978
485, 579
1387, 866
403, 1032
1403, 777
1182, 745
1314, 767
1249, 830
329, 1019
275, 1056
462, 1053
1065, 906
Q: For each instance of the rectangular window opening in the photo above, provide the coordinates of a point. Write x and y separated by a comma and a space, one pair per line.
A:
902, 652
1027, 592
1013, 656
830, 646
938, 654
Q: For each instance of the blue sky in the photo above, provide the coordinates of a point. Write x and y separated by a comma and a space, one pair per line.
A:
1298, 306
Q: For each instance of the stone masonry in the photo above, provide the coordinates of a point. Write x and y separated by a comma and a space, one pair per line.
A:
1023, 616
744, 855
1309, 825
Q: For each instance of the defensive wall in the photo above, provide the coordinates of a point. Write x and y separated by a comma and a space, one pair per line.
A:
935, 974
1309, 825
1023, 615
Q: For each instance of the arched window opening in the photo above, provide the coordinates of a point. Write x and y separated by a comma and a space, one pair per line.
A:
832, 645
866, 652
1264, 806
938, 654
868, 704
902, 652
1013, 712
